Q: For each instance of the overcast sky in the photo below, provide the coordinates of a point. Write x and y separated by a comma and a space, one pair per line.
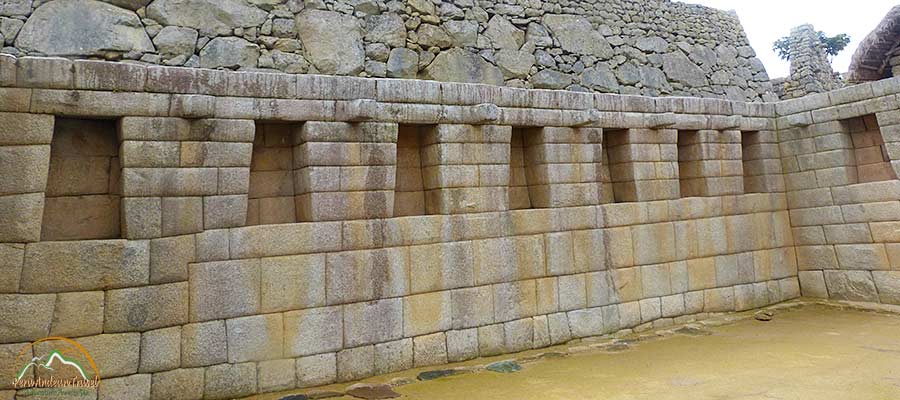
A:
767, 20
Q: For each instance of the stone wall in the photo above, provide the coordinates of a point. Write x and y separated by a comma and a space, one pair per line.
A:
810, 67
840, 155
431, 222
642, 47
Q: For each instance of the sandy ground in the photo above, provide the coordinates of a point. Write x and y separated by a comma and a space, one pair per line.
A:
811, 352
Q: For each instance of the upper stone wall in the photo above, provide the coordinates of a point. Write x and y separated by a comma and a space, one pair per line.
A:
650, 48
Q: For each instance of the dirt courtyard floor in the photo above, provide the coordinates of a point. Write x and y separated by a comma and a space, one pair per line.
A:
809, 352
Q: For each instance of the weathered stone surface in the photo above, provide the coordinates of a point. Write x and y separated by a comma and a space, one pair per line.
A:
576, 35
203, 344
402, 63
174, 41
680, 69
179, 384
458, 65
550, 79
25, 317
78, 314
851, 285
127, 387
112, 29
513, 63
210, 17
276, 375
224, 289
386, 28
228, 381
85, 265
15, 7
254, 338
503, 34
600, 78
145, 308
161, 350
316, 370
133, 5
333, 42
21, 214
393, 356
313, 331
229, 52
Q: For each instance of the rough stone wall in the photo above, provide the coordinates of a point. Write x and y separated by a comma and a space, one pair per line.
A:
810, 68
194, 301
652, 48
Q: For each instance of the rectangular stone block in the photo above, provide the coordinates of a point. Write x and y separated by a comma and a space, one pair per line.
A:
313, 331
862, 257
178, 384
27, 326
224, 289
514, 300
472, 307
160, 350
84, 265
442, 266
45, 72
24, 168
102, 75
254, 338
851, 285
316, 370
126, 387
204, 344
276, 375
283, 277
393, 356
279, 240
586, 322
119, 354
23, 213
145, 308
373, 322
366, 275
430, 350
25, 129
142, 217
228, 381
355, 363
169, 258
426, 313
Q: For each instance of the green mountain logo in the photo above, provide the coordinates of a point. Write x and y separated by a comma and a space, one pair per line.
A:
54, 356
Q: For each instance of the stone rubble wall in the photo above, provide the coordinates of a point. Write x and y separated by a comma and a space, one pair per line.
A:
651, 48
197, 298
810, 68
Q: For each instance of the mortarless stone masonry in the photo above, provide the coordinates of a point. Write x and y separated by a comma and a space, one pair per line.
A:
637, 47
199, 295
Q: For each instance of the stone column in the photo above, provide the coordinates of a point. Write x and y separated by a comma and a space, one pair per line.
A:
345, 171
709, 163
465, 168
643, 164
24, 162
563, 166
762, 162
181, 176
